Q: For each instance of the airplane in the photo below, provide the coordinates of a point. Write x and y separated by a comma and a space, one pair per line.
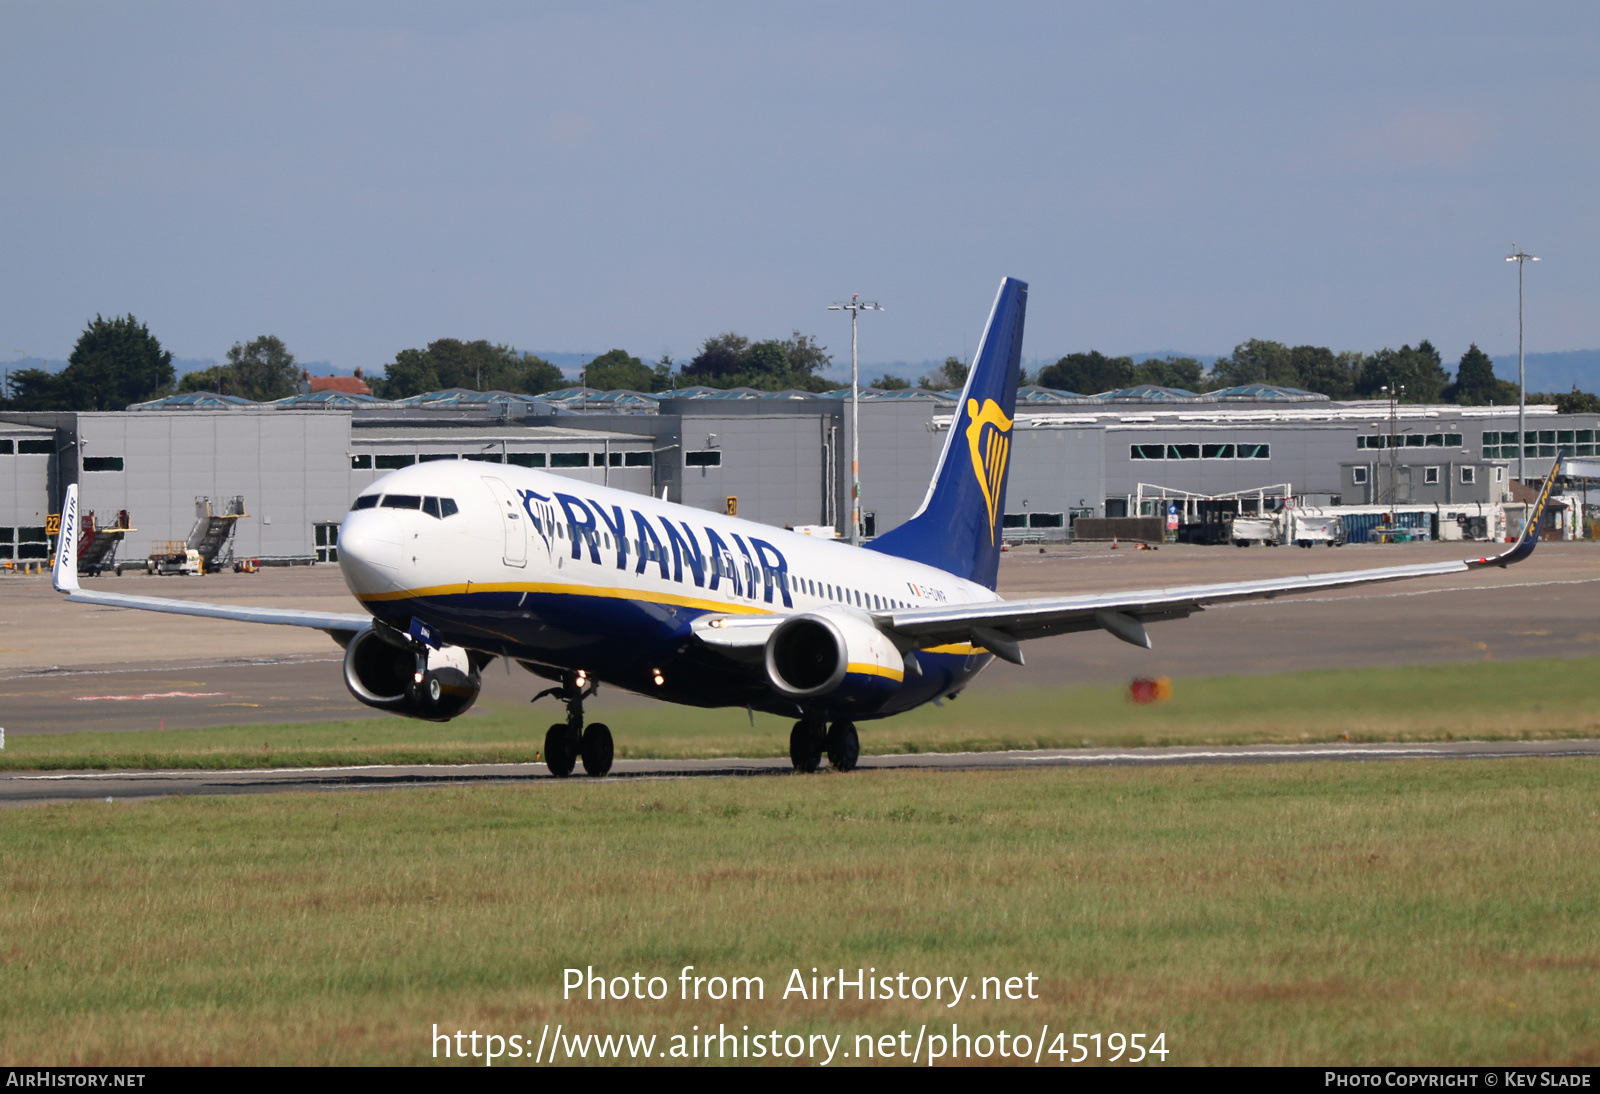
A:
458, 564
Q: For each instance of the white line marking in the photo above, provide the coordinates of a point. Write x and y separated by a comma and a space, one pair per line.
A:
1490, 749
148, 695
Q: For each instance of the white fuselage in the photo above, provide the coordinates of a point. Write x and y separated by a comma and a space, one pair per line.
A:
538, 531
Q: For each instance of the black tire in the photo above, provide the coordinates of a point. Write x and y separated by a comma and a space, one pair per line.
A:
559, 755
805, 747
844, 746
597, 750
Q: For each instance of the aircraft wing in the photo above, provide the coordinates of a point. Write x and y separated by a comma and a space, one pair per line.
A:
64, 575
1000, 626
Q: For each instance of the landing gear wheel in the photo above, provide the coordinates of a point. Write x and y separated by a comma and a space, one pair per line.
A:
597, 750
844, 747
559, 755
434, 689
805, 746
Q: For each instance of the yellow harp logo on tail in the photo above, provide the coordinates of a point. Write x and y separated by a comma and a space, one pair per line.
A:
989, 440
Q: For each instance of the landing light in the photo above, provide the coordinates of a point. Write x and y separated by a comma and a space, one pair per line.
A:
417, 677
658, 677
583, 678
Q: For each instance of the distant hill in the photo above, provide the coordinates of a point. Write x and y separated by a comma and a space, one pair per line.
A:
1554, 371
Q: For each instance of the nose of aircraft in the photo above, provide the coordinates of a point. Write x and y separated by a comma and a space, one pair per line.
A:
369, 551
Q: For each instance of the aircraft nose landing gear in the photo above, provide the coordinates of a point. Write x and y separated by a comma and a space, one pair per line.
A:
567, 742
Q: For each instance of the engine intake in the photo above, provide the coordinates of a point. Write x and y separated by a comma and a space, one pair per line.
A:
835, 657
384, 675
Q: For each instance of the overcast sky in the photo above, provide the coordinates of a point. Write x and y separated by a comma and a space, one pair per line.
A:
357, 178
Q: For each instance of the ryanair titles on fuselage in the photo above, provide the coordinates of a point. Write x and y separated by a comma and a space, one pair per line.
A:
758, 562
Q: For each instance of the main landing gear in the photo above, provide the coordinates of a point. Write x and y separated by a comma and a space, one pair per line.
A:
568, 741
810, 738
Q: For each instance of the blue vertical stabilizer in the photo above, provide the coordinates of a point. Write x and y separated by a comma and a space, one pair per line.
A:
958, 526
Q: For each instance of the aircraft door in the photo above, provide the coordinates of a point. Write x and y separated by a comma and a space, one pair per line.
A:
514, 520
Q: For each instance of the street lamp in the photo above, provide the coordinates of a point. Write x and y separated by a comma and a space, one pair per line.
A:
1395, 393
1521, 257
855, 306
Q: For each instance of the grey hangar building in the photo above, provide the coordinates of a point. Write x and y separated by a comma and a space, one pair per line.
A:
780, 458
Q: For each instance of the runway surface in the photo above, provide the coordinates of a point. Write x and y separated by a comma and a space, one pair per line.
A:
72, 667
23, 788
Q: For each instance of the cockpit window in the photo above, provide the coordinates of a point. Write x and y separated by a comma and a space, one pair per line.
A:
430, 506
365, 501
402, 501
447, 507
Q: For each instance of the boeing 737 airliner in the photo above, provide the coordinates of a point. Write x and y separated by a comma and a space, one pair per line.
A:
458, 564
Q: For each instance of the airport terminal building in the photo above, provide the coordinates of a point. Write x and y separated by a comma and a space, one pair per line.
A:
780, 458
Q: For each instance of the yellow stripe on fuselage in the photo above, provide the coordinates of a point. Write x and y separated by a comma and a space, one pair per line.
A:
721, 606
863, 669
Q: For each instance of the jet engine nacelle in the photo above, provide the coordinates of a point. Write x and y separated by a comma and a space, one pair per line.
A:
383, 674
840, 659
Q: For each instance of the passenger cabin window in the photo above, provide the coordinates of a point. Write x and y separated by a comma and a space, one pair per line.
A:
402, 501
365, 501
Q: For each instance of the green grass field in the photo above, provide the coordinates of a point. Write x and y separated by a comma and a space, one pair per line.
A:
1406, 912
1553, 698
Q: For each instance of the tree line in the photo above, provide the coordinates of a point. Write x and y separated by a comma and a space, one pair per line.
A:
117, 362
1416, 373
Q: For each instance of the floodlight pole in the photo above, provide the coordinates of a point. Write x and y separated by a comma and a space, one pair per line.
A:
855, 306
1394, 391
1520, 257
